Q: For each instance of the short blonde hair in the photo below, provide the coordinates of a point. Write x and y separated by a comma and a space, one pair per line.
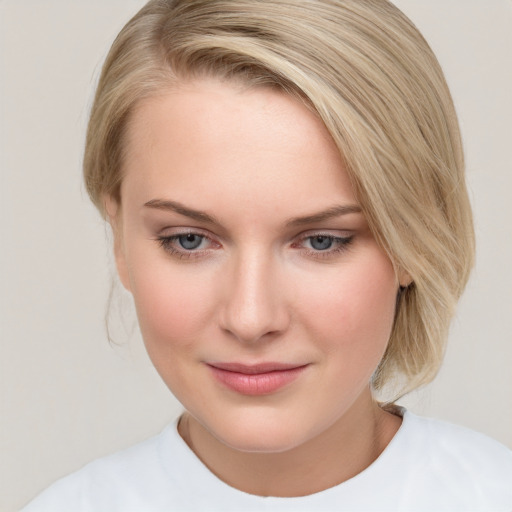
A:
370, 76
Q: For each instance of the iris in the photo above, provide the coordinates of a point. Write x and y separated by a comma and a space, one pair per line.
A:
190, 241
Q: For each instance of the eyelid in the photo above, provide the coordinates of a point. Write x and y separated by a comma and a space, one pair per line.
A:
341, 243
331, 233
167, 241
183, 230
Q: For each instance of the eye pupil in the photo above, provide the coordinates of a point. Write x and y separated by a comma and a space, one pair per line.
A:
190, 241
321, 243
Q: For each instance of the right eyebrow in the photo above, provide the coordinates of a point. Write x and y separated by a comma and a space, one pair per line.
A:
174, 206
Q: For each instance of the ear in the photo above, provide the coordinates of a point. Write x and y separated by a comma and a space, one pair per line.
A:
114, 218
404, 278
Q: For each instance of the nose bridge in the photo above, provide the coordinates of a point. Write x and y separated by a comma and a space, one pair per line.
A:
255, 303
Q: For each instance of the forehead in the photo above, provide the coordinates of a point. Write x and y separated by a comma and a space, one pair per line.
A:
219, 107
257, 143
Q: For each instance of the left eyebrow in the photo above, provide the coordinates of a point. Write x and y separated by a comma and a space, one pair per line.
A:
334, 211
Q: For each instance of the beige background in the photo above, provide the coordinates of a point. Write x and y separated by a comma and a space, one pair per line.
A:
67, 396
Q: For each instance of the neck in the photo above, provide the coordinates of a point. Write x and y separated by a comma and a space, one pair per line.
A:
339, 453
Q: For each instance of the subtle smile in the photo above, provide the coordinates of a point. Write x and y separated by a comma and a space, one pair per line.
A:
260, 379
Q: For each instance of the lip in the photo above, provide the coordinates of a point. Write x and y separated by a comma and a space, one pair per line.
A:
256, 379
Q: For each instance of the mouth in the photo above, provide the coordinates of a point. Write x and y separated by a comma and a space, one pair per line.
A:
258, 379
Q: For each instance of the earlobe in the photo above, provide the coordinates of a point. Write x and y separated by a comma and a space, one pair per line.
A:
114, 218
404, 279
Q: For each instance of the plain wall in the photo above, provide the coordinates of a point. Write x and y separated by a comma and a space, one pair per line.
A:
67, 395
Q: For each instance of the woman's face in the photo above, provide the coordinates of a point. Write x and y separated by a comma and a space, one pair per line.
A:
264, 301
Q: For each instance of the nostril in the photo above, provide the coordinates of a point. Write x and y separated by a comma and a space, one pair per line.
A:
254, 322
251, 332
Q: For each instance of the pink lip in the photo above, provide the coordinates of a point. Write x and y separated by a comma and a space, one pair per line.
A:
259, 379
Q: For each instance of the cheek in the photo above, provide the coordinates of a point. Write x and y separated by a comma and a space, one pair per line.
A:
352, 309
173, 306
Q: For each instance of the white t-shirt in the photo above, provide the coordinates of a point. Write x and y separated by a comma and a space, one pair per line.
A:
428, 466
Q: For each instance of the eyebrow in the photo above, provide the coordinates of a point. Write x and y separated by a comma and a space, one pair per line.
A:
329, 213
332, 212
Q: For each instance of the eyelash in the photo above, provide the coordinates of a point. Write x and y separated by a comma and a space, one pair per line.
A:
341, 244
166, 242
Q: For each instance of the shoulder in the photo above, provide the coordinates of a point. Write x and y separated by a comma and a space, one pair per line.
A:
448, 456
458, 444
116, 482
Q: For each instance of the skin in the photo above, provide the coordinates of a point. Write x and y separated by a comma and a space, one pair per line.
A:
257, 288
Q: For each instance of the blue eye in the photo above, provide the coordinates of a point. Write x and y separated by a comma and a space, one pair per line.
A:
324, 246
190, 241
187, 245
321, 243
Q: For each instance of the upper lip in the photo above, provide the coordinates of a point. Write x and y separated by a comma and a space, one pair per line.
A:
254, 369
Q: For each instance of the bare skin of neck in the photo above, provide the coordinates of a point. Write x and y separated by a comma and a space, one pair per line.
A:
345, 449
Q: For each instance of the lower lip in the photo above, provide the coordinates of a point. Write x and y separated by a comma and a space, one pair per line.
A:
259, 383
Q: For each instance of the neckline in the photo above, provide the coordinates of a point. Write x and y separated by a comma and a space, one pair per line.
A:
191, 466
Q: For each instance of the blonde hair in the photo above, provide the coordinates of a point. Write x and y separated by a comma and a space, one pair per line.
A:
370, 76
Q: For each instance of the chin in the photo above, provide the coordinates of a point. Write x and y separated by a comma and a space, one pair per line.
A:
250, 442
257, 433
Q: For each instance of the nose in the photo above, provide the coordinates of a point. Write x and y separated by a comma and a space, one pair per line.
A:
255, 307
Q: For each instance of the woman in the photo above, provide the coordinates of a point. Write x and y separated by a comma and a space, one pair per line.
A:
284, 180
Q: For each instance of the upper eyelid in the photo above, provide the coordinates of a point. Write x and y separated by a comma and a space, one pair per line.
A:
176, 232
335, 238
326, 232
332, 233
183, 230
175, 236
